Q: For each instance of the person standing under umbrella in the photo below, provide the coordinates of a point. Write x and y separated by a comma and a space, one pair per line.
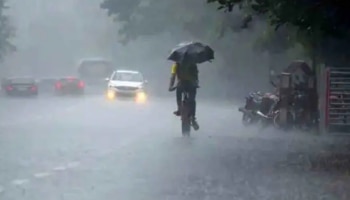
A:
187, 79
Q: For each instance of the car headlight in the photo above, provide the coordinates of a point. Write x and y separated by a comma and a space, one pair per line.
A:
141, 97
110, 94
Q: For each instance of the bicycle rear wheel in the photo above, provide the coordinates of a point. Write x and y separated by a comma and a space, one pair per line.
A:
185, 120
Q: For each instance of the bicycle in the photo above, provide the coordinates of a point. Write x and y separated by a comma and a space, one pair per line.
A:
185, 113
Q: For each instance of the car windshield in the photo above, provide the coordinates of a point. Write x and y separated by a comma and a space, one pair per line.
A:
47, 80
69, 80
128, 76
94, 69
22, 80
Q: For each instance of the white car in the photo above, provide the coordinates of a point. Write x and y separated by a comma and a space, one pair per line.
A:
127, 84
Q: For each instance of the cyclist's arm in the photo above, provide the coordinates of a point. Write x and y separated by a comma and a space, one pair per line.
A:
173, 75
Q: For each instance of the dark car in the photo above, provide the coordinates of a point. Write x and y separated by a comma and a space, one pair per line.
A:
94, 71
4, 82
47, 85
69, 85
21, 86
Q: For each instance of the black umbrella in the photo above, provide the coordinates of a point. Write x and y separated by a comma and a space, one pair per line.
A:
191, 52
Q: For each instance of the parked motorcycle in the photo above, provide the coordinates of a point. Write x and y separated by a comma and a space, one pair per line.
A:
252, 105
258, 108
269, 109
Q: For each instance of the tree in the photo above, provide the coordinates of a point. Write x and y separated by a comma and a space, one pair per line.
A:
324, 16
195, 17
142, 18
6, 31
322, 26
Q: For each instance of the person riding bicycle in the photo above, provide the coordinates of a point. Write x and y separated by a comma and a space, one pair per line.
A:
187, 76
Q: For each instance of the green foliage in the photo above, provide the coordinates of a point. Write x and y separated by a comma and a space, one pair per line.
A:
306, 22
137, 18
327, 18
6, 31
322, 27
141, 18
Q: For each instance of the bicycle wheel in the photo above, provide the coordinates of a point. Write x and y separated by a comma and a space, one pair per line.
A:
185, 120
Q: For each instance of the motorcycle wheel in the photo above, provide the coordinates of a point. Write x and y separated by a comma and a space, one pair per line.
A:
246, 120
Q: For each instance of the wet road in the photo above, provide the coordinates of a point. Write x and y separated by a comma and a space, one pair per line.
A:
91, 149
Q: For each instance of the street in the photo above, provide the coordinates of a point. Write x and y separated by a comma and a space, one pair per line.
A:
88, 148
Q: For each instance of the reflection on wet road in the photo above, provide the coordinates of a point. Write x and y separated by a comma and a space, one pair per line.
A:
89, 148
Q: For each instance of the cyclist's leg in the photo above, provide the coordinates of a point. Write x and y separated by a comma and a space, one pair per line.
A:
192, 99
179, 90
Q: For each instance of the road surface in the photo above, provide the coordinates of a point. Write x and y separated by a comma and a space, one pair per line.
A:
92, 149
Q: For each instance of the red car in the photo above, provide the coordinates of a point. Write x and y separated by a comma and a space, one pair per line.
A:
69, 85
